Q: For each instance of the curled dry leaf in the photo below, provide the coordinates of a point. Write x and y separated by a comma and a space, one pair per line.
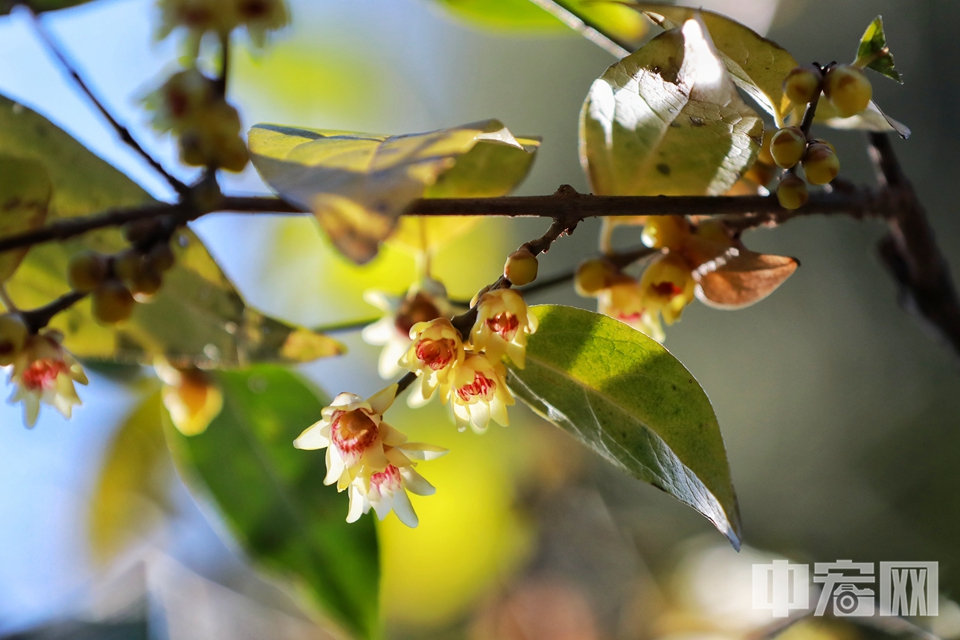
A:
740, 277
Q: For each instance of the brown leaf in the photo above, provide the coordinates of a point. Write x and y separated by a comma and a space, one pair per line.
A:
741, 277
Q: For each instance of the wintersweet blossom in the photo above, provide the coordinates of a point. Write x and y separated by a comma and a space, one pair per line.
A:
503, 325
190, 395
44, 373
667, 287
221, 17
436, 349
479, 393
423, 302
361, 451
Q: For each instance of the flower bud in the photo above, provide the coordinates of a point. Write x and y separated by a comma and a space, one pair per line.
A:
803, 83
848, 90
593, 276
787, 147
86, 271
521, 267
112, 302
820, 164
792, 192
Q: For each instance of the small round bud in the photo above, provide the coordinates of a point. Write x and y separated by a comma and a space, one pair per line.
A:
86, 271
142, 230
803, 83
820, 164
593, 276
848, 90
521, 267
792, 192
128, 265
160, 258
787, 147
13, 335
765, 156
668, 232
112, 302
145, 285
822, 141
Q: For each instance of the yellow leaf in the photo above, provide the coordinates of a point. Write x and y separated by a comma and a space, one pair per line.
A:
358, 185
24, 197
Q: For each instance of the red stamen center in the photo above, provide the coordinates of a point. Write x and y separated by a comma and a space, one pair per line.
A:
481, 387
416, 309
42, 374
667, 289
436, 354
353, 431
388, 479
504, 324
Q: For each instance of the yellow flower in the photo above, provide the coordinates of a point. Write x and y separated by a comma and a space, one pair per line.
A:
435, 351
423, 302
44, 372
364, 453
479, 393
621, 299
667, 286
503, 325
386, 490
221, 17
191, 396
665, 232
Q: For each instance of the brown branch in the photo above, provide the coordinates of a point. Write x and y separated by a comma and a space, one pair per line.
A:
57, 51
910, 251
71, 227
738, 212
585, 27
37, 319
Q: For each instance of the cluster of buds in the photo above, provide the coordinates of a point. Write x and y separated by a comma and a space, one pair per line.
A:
848, 90
667, 284
470, 374
116, 282
221, 17
41, 369
189, 105
368, 457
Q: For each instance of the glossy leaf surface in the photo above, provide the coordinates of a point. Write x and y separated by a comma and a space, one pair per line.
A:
626, 397
667, 120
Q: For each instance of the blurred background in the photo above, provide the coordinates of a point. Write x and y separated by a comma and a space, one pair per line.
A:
840, 417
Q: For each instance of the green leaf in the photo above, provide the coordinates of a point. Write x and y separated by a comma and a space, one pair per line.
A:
627, 398
358, 185
870, 119
758, 65
667, 120
273, 496
40, 6
873, 51
132, 489
24, 199
198, 318
516, 15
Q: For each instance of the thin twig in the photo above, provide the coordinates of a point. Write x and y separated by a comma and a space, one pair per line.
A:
57, 51
910, 251
221, 83
738, 212
582, 25
345, 327
37, 319
71, 227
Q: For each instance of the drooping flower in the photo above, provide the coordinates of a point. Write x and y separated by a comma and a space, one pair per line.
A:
190, 395
386, 490
423, 302
44, 373
362, 449
436, 349
479, 392
666, 287
503, 325
221, 17
621, 299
